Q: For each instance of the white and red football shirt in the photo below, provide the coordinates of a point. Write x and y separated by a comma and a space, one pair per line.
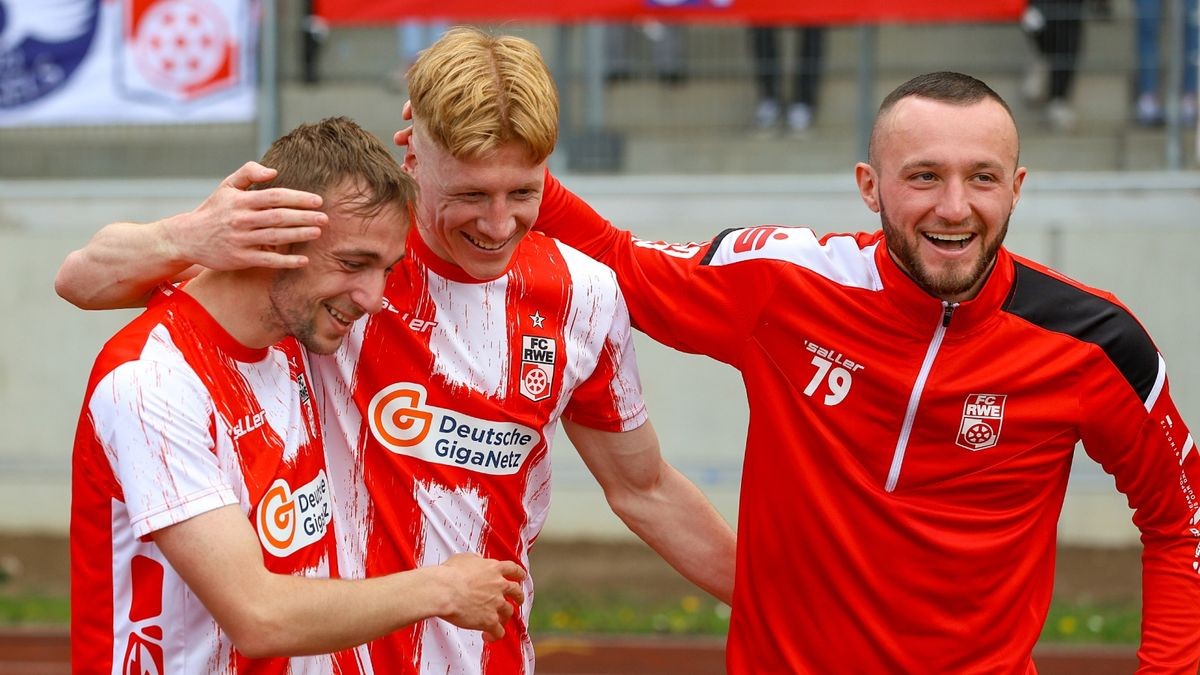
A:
440, 411
180, 419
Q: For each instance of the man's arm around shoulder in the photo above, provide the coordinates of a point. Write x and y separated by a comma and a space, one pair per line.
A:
234, 228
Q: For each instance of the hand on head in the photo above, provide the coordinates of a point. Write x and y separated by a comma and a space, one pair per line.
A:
401, 137
237, 228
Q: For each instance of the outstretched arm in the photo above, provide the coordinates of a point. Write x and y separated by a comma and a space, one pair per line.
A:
659, 504
266, 614
234, 228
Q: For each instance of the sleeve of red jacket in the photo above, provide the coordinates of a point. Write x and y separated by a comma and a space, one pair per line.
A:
1143, 442
672, 295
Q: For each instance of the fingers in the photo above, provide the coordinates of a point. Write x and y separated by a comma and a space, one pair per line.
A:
248, 174
514, 592
272, 260
281, 198
402, 137
406, 111
512, 570
493, 633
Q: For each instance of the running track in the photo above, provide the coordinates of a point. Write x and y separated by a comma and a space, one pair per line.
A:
45, 652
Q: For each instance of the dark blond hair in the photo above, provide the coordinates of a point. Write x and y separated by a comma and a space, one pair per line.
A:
472, 93
325, 155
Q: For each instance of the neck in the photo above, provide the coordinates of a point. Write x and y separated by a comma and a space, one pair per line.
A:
240, 302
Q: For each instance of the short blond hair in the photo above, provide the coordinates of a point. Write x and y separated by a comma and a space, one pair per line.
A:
472, 93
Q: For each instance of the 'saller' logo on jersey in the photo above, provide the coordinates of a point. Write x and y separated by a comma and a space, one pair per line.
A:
983, 415
403, 421
288, 520
538, 355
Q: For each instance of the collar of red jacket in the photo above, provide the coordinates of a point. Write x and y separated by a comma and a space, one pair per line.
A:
924, 312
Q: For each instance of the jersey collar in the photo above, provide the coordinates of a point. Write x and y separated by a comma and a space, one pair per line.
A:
917, 307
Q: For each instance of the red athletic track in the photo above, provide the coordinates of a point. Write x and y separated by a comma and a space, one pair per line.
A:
45, 652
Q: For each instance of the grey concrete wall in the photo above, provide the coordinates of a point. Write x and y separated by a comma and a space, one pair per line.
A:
1134, 235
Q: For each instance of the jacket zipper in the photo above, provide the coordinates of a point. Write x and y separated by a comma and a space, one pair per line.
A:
914, 399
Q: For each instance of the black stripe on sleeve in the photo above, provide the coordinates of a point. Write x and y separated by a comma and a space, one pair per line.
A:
712, 249
1058, 306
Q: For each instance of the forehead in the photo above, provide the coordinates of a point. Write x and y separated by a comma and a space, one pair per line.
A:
507, 167
922, 130
350, 228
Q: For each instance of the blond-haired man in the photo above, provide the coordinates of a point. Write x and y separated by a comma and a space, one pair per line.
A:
442, 407
201, 494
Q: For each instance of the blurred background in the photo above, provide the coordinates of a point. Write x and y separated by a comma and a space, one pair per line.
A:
680, 118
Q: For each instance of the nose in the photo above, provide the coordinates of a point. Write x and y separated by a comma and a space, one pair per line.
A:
954, 205
499, 222
368, 291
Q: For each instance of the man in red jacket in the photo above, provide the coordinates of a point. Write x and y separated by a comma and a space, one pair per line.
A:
916, 396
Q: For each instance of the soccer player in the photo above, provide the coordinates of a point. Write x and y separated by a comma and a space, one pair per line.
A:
916, 396
201, 505
440, 409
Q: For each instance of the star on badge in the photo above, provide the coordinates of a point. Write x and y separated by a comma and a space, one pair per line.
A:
537, 319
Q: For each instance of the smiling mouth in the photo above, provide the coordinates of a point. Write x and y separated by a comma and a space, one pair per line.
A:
343, 319
484, 245
950, 242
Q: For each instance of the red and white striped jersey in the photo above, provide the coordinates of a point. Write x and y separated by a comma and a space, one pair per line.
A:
180, 419
907, 458
440, 411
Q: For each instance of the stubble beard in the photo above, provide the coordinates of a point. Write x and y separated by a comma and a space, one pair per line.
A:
946, 283
291, 316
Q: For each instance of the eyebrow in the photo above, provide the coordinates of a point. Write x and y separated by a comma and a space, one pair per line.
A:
930, 164
357, 253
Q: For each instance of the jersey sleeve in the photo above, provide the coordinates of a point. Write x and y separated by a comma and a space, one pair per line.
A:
155, 424
1134, 430
610, 398
675, 293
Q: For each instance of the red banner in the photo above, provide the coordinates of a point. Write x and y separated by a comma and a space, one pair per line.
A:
713, 11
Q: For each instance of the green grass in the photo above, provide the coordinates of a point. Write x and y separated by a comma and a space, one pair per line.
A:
571, 612
34, 609
584, 613
1088, 623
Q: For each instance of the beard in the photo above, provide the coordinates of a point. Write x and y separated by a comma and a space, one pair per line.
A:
947, 282
295, 316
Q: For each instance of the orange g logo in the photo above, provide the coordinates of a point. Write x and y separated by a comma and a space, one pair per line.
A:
277, 516
397, 417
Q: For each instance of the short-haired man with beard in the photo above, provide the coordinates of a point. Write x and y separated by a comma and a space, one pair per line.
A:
916, 396
201, 505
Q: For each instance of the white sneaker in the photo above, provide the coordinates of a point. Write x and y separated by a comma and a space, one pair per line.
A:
1036, 82
766, 115
1187, 110
1060, 116
799, 117
1148, 112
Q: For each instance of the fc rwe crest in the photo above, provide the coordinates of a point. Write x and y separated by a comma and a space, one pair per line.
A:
983, 416
537, 366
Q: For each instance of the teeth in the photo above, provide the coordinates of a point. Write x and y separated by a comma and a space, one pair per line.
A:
339, 316
949, 237
486, 247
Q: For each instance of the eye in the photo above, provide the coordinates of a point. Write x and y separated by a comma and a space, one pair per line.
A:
352, 265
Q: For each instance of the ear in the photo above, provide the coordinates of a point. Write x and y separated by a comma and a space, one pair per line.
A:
1018, 181
410, 160
868, 185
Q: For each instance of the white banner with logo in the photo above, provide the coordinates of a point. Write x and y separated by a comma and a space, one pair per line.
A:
66, 62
